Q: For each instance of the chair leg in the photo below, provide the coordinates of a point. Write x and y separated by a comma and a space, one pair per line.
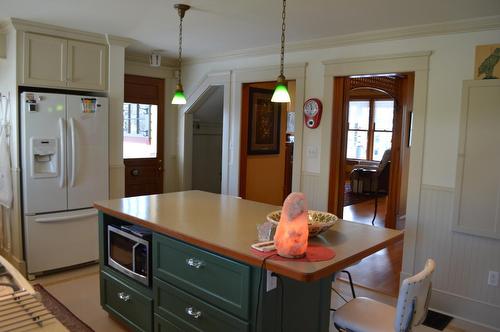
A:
376, 207
350, 283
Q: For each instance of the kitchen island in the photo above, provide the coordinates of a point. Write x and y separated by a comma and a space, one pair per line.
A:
205, 277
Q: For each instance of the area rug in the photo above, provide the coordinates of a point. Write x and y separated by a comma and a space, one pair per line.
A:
351, 198
437, 320
66, 317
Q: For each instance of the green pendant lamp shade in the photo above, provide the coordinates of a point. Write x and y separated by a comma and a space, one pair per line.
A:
179, 97
281, 94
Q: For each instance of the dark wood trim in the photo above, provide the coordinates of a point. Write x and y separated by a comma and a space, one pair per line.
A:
245, 95
402, 93
338, 148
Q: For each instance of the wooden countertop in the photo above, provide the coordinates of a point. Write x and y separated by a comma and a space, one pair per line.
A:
227, 225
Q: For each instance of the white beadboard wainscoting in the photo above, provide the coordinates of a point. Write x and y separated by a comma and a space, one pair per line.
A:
310, 182
460, 283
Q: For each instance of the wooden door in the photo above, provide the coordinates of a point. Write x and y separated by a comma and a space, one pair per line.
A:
143, 135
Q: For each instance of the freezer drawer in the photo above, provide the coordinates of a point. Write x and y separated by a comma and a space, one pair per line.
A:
57, 240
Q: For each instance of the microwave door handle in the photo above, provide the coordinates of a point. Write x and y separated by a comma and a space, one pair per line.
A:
133, 255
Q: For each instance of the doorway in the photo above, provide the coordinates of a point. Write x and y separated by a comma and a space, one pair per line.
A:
207, 142
372, 120
372, 123
143, 123
266, 144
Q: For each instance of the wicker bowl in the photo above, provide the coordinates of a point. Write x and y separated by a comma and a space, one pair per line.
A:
318, 221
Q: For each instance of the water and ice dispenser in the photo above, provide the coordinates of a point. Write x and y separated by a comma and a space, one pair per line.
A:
44, 158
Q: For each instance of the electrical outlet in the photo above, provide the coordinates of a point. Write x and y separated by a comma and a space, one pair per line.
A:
493, 278
271, 282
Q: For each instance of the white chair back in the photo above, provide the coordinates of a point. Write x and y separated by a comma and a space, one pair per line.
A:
413, 300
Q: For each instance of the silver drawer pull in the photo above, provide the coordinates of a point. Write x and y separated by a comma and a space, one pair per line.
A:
123, 296
193, 262
193, 312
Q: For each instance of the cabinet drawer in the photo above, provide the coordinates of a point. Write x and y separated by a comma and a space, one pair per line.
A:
127, 303
190, 313
215, 279
163, 325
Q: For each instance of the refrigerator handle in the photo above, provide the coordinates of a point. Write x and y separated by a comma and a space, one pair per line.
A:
73, 152
50, 219
63, 152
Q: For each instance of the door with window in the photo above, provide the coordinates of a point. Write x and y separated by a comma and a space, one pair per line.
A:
143, 114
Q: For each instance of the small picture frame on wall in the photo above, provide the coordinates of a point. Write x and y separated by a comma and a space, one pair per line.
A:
487, 62
263, 123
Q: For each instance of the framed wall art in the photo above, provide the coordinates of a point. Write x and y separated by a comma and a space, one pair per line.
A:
263, 123
487, 62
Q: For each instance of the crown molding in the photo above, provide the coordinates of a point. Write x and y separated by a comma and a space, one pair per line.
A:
451, 27
119, 41
5, 26
375, 58
55, 30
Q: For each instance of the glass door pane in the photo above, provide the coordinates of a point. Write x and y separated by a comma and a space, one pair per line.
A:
381, 142
384, 113
357, 143
359, 114
140, 123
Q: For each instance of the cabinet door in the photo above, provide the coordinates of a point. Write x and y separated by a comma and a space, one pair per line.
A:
87, 65
44, 60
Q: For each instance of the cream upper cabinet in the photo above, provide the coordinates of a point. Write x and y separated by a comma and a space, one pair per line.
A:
45, 60
58, 62
86, 65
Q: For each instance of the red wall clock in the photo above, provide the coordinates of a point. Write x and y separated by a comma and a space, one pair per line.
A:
312, 112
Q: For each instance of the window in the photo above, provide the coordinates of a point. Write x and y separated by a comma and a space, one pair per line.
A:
369, 128
139, 126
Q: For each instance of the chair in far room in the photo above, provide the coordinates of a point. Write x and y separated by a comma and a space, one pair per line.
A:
372, 178
366, 315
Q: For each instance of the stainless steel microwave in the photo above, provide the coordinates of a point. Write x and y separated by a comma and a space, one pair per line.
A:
129, 251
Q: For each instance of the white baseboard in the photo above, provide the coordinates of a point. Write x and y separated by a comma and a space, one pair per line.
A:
477, 312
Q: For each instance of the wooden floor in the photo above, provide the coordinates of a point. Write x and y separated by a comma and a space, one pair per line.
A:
380, 271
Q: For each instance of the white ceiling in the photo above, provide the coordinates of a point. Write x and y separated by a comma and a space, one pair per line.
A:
220, 26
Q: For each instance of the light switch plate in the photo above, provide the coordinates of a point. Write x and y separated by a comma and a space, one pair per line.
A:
493, 277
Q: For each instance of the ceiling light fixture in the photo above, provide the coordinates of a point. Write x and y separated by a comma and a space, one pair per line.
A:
280, 94
179, 98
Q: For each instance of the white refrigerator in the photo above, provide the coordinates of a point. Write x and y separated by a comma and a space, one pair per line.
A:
64, 149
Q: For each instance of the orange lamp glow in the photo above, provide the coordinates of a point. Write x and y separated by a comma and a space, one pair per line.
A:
292, 233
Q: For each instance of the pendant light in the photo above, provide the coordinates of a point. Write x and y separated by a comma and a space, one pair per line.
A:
280, 94
179, 98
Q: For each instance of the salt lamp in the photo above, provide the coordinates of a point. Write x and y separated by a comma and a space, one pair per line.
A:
292, 232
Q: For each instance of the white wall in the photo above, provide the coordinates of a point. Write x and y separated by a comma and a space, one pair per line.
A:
171, 174
451, 62
207, 143
11, 234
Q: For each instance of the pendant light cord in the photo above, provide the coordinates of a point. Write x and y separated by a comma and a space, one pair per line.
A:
180, 48
283, 27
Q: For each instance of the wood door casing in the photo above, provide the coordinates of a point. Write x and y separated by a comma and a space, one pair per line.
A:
402, 92
261, 177
144, 176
